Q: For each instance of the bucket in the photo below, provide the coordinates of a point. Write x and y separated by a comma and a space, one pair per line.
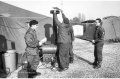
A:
10, 61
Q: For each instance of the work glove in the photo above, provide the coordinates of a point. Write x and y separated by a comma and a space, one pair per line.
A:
42, 41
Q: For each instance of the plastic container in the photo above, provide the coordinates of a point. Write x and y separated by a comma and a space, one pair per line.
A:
10, 61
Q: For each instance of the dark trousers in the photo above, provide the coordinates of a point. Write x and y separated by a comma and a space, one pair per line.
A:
33, 61
63, 55
98, 47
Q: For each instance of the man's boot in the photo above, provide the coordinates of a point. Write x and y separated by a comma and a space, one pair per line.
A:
71, 59
33, 73
99, 63
95, 63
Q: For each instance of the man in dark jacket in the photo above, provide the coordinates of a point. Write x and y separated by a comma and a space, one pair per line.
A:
32, 44
98, 44
63, 42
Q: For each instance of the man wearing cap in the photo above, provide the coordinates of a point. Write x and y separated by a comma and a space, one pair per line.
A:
32, 51
63, 42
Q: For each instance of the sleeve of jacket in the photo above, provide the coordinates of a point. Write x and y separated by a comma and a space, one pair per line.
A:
30, 42
56, 20
63, 15
101, 33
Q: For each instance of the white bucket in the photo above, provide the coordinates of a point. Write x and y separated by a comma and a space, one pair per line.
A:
10, 60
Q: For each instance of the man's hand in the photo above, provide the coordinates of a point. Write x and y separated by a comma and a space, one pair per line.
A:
40, 43
58, 9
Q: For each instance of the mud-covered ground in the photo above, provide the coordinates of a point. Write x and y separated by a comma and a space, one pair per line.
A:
84, 57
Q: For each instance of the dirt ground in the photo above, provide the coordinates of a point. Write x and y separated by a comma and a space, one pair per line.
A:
82, 68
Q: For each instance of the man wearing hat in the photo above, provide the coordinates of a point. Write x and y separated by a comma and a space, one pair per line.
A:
32, 51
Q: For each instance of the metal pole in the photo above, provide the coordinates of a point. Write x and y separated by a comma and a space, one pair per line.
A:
54, 30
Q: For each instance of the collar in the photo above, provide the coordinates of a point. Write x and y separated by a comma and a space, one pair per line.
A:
32, 30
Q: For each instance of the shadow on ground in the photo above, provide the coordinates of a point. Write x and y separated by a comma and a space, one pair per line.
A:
83, 59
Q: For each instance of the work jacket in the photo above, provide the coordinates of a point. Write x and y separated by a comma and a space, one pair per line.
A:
99, 34
32, 42
63, 31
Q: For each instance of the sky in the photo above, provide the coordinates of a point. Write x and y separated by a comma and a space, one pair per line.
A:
92, 9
